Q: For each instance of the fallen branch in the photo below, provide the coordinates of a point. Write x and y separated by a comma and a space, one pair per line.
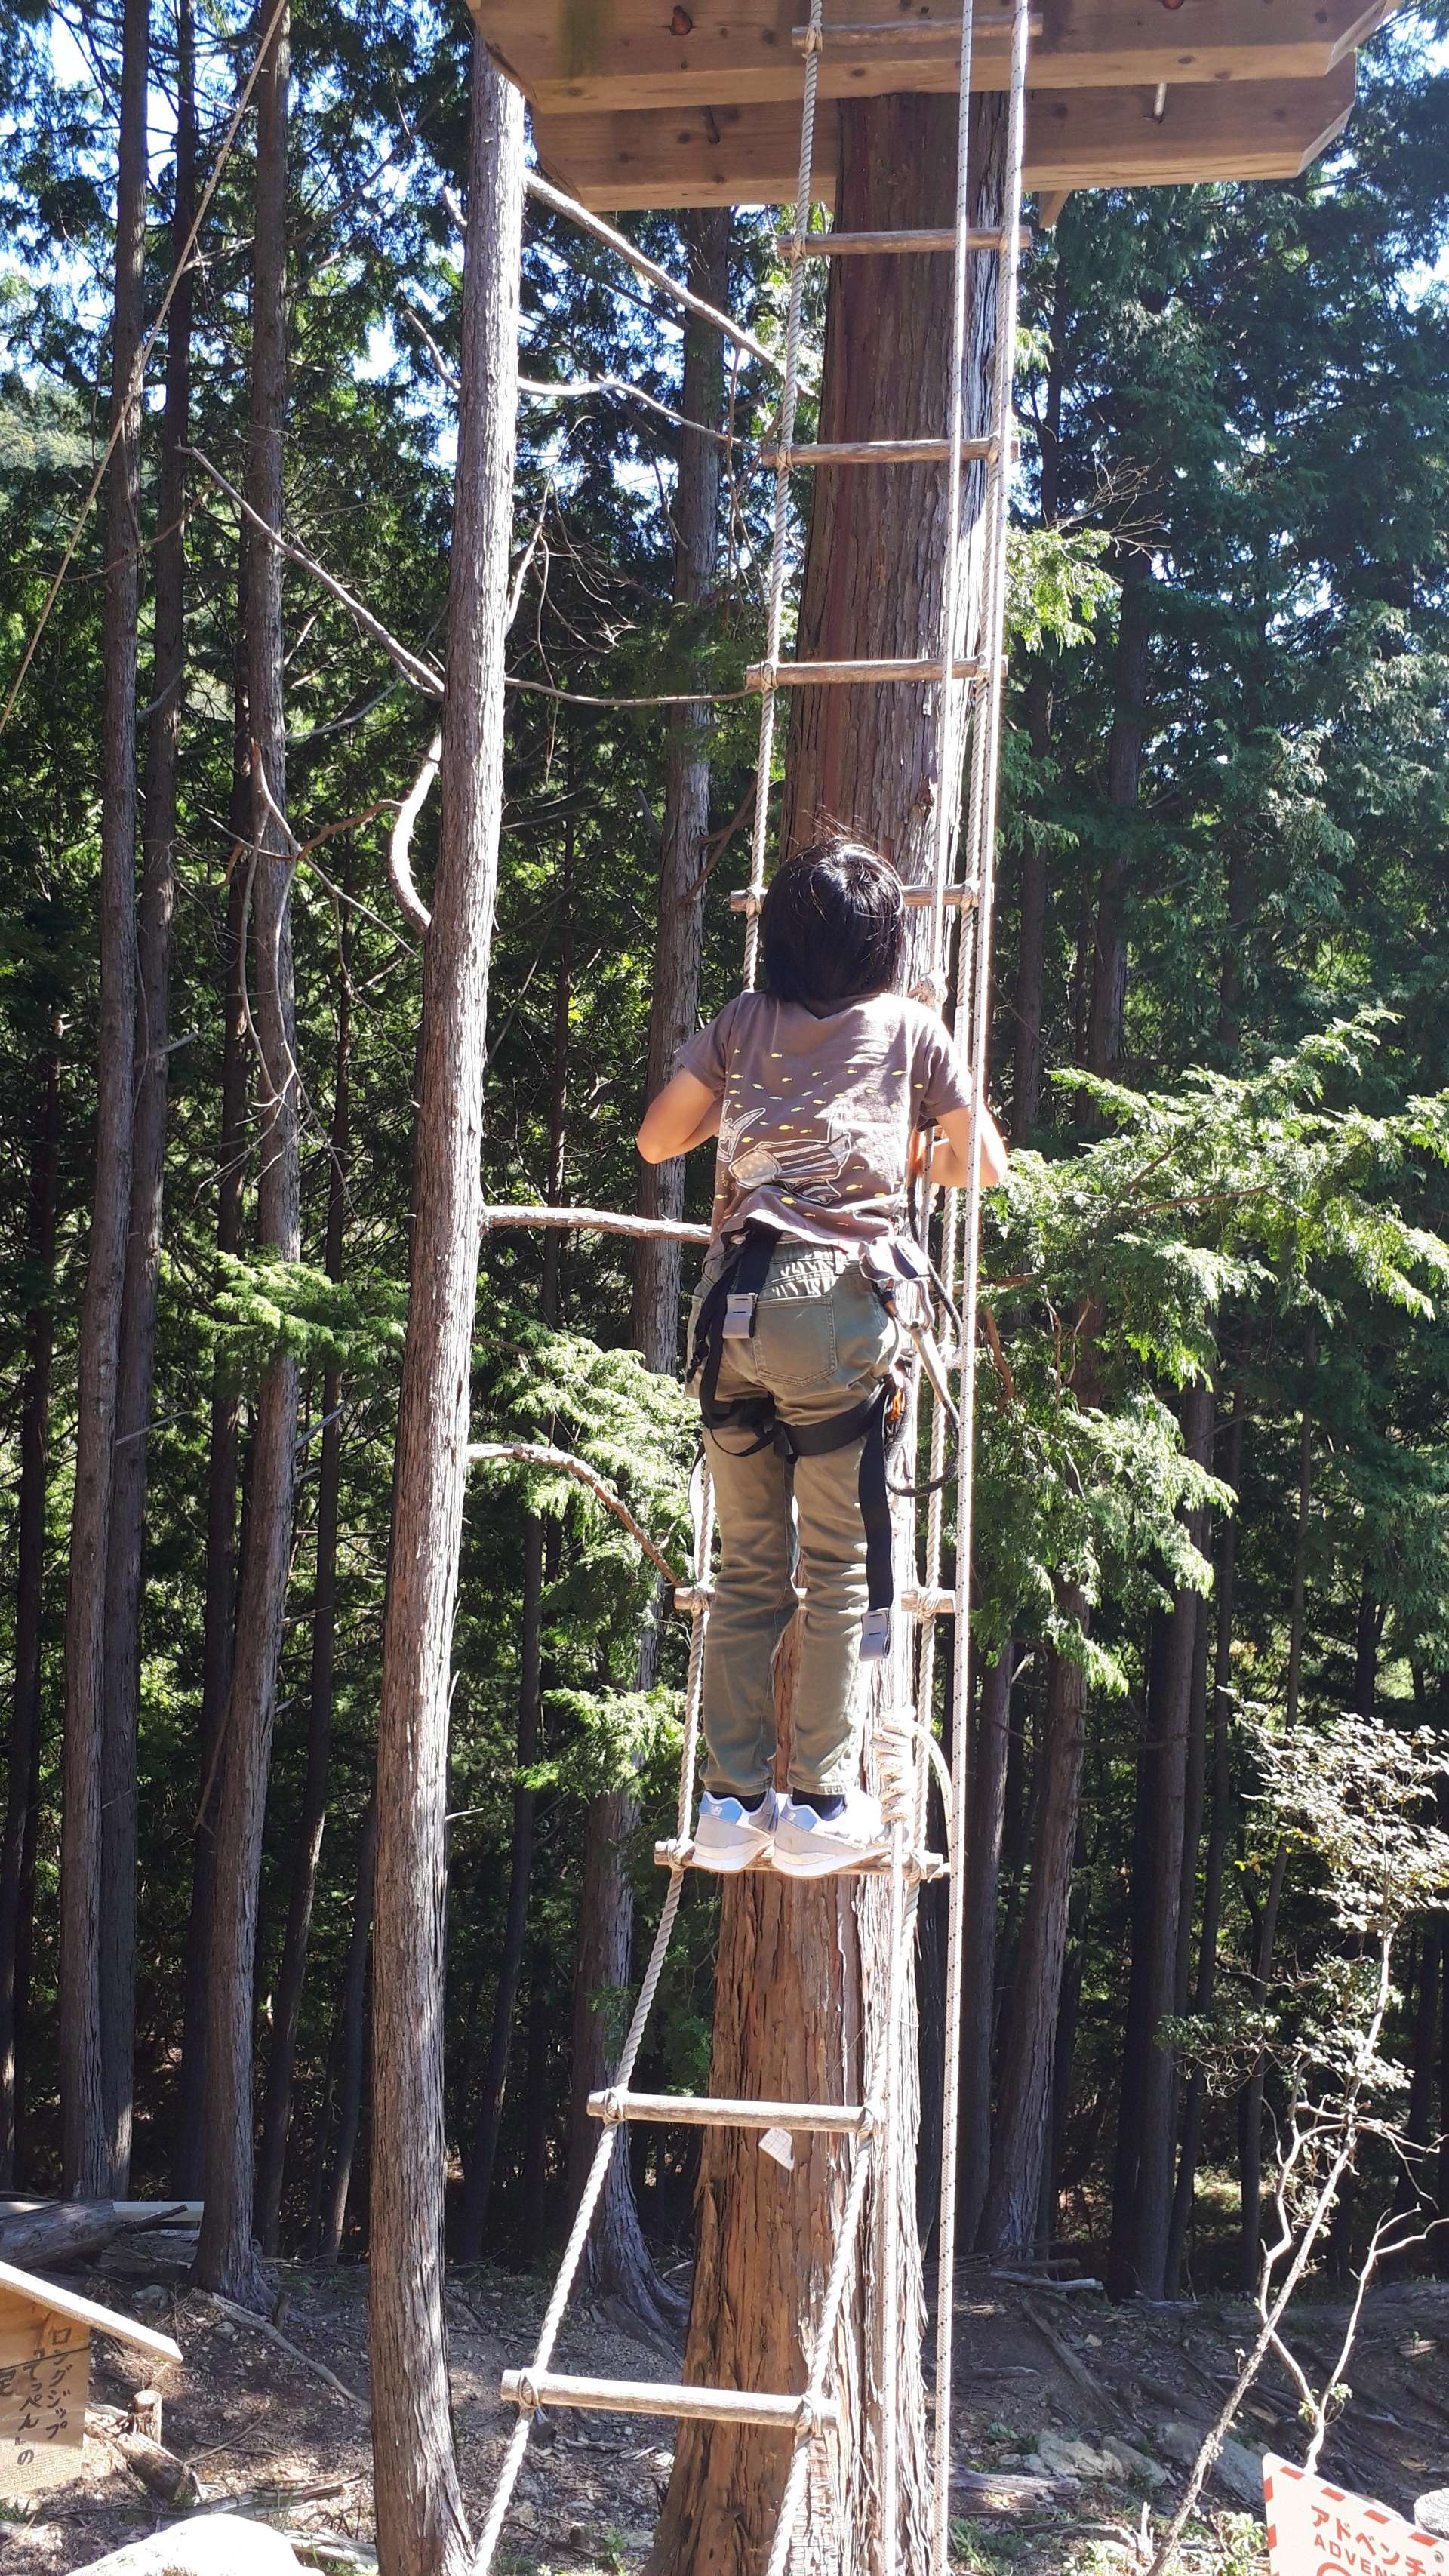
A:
273, 2334
537, 1453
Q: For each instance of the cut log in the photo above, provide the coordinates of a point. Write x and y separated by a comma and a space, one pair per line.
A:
1004, 2494
57, 2233
158, 2470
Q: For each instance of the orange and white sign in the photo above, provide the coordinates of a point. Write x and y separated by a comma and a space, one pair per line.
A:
1317, 2530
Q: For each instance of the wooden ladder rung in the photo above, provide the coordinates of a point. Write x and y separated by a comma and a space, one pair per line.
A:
883, 451
890, 245
845, 675
920, 1867
530, 2389
708, 2111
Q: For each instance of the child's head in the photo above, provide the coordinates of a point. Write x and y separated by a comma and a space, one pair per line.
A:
833, 924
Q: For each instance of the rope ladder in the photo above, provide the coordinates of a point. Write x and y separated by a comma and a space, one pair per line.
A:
968, 702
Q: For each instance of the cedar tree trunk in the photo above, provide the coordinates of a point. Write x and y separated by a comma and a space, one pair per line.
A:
420, 2524
226, 2256
354, 2054
618, 2260
24, 1748
148, 1150
1023, 2120
307, 1848
86, 2168
990, 1736
1124, 768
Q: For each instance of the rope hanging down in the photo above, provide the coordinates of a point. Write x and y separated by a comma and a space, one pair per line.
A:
969, 695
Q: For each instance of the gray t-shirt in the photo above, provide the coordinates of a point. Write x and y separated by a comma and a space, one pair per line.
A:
817, 1111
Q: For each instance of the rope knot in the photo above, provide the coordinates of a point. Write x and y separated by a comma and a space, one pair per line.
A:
527, 2397
611, 2106
932, 990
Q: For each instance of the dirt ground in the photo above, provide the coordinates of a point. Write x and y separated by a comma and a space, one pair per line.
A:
1043, 2372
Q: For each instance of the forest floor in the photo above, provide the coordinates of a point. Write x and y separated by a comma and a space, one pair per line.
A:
1105, 2401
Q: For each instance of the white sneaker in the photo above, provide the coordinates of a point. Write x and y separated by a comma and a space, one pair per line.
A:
730, 1835
811, 1846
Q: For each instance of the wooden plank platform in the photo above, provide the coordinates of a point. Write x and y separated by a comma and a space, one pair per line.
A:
1083, 138
716, 54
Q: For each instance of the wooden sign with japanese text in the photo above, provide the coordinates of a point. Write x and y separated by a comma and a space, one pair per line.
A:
1318, 2530
45, 2360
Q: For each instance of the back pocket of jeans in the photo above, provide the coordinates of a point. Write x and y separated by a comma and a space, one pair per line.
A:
795, 1340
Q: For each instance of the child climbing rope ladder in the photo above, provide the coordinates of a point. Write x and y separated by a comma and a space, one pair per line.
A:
820, 1089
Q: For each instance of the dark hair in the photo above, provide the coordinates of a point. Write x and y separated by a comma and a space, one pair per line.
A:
832, 924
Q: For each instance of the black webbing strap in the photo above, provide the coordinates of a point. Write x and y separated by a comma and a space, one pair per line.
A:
866, 1421
730, 1303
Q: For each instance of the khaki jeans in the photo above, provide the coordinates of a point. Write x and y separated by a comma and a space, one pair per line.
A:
822, 1339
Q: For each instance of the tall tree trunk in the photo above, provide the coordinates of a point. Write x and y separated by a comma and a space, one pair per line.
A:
618, 2260
1023, 2120
1027, 999
85, 2149
1417, 2187
679, 935
307, 1846
479, 2179
226, 2256
1368, 1636
1250, 2103
354, 2052
986, 1814
538, 2100
223, 1462
420, 2525
796, 1964
1171, 1719
1219, 1824
1124, 768
1120, 2267
148, 1151
24, 1749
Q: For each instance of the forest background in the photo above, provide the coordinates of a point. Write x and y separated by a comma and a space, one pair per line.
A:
1214, 1447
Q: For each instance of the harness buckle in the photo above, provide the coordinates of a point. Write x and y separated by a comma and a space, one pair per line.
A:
739, 1317
875, 1636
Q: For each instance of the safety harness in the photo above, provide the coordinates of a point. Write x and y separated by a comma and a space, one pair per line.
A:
727, 1314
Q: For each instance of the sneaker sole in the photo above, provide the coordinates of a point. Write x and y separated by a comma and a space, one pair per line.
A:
837, 1863
728, 1860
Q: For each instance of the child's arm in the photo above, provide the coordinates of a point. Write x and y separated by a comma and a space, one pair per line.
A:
951, 1160
678, 1118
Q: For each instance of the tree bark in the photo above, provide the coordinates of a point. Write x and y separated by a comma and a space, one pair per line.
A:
796, 1965
479, 2180
1219, 1823
1027, 1000
1171, 1718
223, 1463
679, 935
1108, 1000
618, 2261
307, 1847
986, 1815
1024, 2115
226, 2255
85, 2155
148, 1150
354, 2051
24, 1749
420, 2524
1250, 2101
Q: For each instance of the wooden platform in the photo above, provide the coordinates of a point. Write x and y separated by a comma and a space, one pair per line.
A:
638, 105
